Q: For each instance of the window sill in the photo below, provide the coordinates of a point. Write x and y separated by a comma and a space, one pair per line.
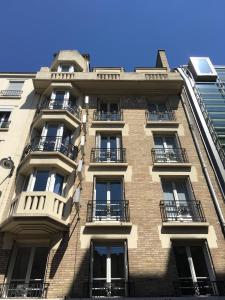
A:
10, 97
172, 165
4, 129
161, 123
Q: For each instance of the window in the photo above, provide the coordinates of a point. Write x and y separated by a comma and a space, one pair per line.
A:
109, 270
159, 112
109, 147
44, 180
15, 85
195, 270
27, 271
108, 111
66, 68
61, 100
167, 149
108, 201
179, 200
4, 119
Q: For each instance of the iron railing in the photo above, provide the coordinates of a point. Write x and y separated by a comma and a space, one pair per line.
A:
113, 210
182, 210
116, 288
9, 93
18, 289
114, 155
169, 155
160, 116
52, 144
62, 105
108, 116
203, 287
5, 124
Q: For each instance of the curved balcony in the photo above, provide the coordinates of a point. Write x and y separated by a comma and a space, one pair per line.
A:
51, 151
59, 111
37, 212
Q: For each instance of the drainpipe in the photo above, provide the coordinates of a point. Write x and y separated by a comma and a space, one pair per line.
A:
203, 165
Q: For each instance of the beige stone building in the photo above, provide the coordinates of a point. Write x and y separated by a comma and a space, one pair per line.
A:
106, 189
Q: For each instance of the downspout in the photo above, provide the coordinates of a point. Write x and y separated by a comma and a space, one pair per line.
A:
203, 165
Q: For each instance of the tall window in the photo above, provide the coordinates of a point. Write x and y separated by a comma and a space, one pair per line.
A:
108, 111
108, 200
167, 149
195, 270
109, 269
4, 119
159, 111
27, 271
179, 200
109, 146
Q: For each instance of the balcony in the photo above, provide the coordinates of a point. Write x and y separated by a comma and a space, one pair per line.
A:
182, 212
117, 288
49, 151
19, 289
11, 93
108, 211
101, 117
37, 213
57, 111
103, 157
4, 125
157, 80
59, 105
156, 116
171, 157
202, 287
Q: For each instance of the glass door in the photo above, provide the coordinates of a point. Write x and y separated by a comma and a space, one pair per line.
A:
177, 198
59, 100
51, 138
194, 269
109, 269
27, 271
166, 148
109, 148
108, 200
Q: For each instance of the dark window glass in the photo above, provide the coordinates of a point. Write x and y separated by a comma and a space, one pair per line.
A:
39, 263
117, 262
59, 95
58, 184
21, 263
41, 181
199, 261
181, 259
99, 259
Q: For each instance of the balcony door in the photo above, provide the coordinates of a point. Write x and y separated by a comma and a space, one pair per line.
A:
55, 137
109, 147
108, 111
26, 272
158, 111
195, 270
108, 269
178, 199
166, 148
59, 99
108, 196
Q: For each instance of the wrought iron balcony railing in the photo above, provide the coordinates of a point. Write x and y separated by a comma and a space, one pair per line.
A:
108, 116
115, 288
19, 289
62, 105
52, 144
160, 116
114, 155
9, 93
113, 210
169, 155
5, 124
202, 287
182, 210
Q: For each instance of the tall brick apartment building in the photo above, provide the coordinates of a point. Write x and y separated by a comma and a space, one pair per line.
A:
106, 187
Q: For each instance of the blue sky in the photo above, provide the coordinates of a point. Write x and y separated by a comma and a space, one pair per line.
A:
114, 32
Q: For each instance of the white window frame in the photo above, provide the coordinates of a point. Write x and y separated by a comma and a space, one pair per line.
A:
194, 62
15, 81
71, 68
50, 182
170, 154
